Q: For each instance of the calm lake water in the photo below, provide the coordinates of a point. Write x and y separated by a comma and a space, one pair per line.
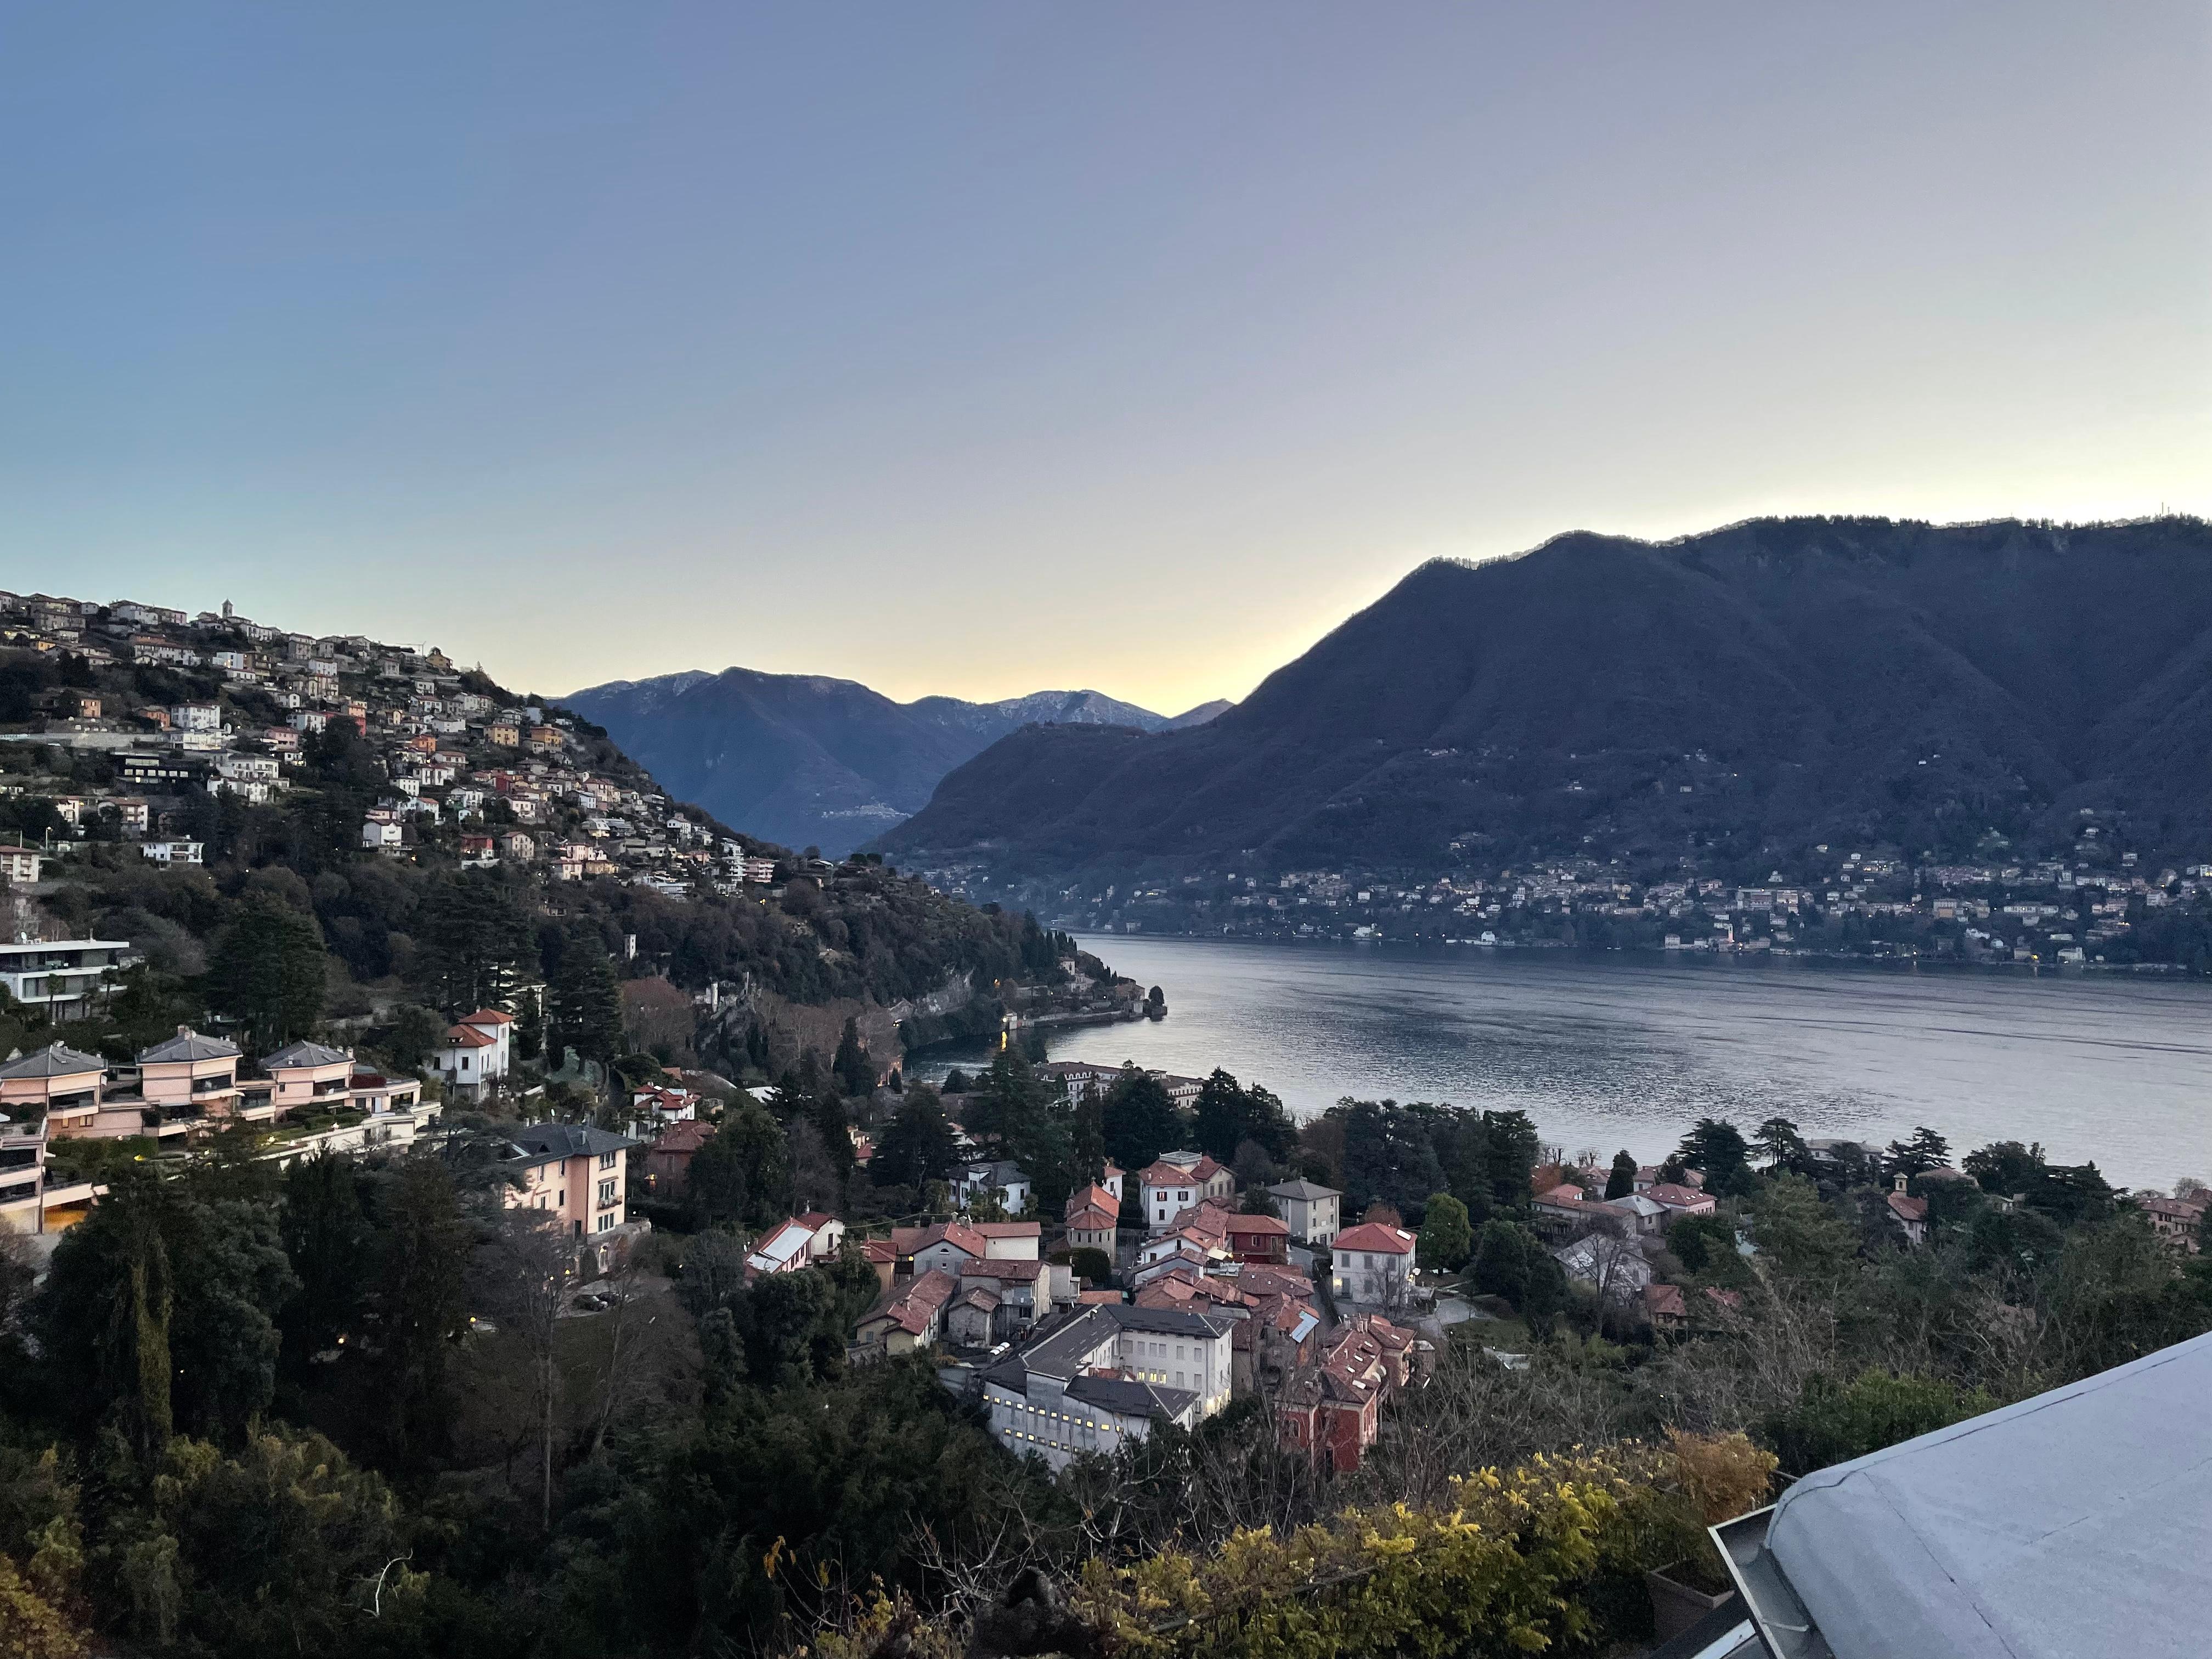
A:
1627, 1051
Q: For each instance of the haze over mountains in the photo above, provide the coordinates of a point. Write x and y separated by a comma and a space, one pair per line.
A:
810, 761
1728, 697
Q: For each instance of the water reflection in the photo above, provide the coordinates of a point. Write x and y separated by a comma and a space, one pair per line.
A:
1606, 1051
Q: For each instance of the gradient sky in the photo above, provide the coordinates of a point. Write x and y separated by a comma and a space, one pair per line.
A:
978, 349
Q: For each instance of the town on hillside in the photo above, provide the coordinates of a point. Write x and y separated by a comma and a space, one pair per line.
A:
2098, 906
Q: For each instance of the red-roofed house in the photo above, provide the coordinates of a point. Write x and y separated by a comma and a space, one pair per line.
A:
475, 1053
1093, 1218
668, 1159
1174, 1181
946, 1245
1910, 1213
1264, 1238
798, 1243
907, 1321
1372, 1263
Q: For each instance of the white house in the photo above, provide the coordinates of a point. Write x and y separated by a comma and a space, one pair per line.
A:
1175, 1182
1003, 1178
382, 836
476, 1051
196, 717
801, 1242
171, 852
1310, 1208
1372, 1263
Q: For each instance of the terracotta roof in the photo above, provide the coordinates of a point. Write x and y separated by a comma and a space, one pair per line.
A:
1093, 1197
912, 1308
1008, 1229
686, 1137
1671, 1194
1906, 1208
1098, 1298
1019, 1271
1374, 1236
910, 1241
879, 1249
467, 1036
1664, 1301
1093, 1219
1259, 1224
487, 1017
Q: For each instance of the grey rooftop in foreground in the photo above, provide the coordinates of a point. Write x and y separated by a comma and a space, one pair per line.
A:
2075, 1525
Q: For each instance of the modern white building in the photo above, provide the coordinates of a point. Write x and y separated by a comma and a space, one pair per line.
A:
1094, 1382
63, 976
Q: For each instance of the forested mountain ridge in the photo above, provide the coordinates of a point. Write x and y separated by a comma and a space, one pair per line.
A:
813, 761
1728, 697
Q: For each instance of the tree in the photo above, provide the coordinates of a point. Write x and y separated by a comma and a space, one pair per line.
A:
586, 1001
918, 1146
1228, 1114
1779, 1142
417, 1031
522, 1277
2005, 1167
269, 971
1926, 1151
856, 1073
742, 1176
1090, 1264
325, 1232
1621, 1182
1138, 1120
474, 936
1718, 1148
1501, 1259
1447, 1240
420, 1290
529, 1026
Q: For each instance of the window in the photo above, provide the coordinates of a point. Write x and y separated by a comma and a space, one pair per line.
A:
606, 1160
606, 1193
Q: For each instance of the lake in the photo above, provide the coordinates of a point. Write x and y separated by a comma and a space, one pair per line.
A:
1606, 1051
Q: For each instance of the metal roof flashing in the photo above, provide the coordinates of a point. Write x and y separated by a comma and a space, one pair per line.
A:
1786, 1630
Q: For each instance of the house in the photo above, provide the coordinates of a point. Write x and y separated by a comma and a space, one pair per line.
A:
575, 1174
804, 1241
476, 1052
1095, 1382
1612, 1266
1333, 1410
944, 1246
1011, 1241
1093, 1218
62, 977
1259, 1238
1372, 1262
1910, 1213
1022, 1292
167, 853
1176, 1181
189, 1078
306, 1074
668, 1158
29, 1202
382, 835
972, 1319
1311, 1209
1664, 1307
60, 1085
908, 1320
19, 866
1000, 1178
1678, 1200
517, 845
2177, 1222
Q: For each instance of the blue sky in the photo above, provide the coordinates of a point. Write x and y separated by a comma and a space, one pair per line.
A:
979, 348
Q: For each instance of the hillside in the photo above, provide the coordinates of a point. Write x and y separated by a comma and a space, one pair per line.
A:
1729, 699
436, 843
813, 761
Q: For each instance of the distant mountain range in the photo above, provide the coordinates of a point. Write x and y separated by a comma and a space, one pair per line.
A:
812, 762
1730, 698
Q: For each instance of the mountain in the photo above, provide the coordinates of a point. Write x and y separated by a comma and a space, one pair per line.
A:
1728, 697
812, 762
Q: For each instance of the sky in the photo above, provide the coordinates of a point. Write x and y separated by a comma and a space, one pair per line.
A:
980, 348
